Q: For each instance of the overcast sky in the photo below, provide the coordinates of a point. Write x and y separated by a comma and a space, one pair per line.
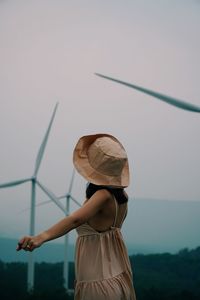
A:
49, 51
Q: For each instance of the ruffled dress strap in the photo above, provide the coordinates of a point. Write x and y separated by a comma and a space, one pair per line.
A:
116, 215
116, 212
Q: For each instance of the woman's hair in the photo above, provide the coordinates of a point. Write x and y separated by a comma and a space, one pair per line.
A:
117, 192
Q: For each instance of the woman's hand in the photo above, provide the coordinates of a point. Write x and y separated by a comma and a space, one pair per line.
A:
29, 243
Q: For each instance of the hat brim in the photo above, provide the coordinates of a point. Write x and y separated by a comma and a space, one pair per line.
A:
82, 165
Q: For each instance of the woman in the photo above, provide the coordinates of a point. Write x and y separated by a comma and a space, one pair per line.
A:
102, 266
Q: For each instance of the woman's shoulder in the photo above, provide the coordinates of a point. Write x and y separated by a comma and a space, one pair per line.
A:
102, 193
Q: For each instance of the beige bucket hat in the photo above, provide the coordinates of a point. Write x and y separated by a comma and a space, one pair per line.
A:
101, 159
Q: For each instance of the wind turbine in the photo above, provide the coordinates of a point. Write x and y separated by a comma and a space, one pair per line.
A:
34, 181
170, 100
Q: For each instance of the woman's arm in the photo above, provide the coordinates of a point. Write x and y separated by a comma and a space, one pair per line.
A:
80, 216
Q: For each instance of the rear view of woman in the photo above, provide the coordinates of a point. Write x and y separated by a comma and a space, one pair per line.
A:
102, 265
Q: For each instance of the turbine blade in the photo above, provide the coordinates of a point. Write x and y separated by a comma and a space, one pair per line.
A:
51, 196
62, 197
173, 101
39, 204
75, 201
71, 182
43, 145
44, 202
14, 183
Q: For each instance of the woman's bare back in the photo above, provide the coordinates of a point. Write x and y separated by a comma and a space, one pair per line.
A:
105, 218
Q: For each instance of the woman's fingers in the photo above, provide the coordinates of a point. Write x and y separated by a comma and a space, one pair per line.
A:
25, 243
19, 245
29, 243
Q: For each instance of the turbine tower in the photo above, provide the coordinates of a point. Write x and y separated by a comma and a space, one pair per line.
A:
68, 196
170, 100
34, 181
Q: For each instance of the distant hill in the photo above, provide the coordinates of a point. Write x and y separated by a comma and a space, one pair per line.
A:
152, 226
49, 252
157, 226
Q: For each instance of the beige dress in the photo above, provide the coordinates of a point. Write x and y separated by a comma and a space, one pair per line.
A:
102, 267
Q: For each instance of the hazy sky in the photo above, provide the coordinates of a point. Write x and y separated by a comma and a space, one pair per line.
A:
49, 51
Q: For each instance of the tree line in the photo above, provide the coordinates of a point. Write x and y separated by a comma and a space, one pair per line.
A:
156, 277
